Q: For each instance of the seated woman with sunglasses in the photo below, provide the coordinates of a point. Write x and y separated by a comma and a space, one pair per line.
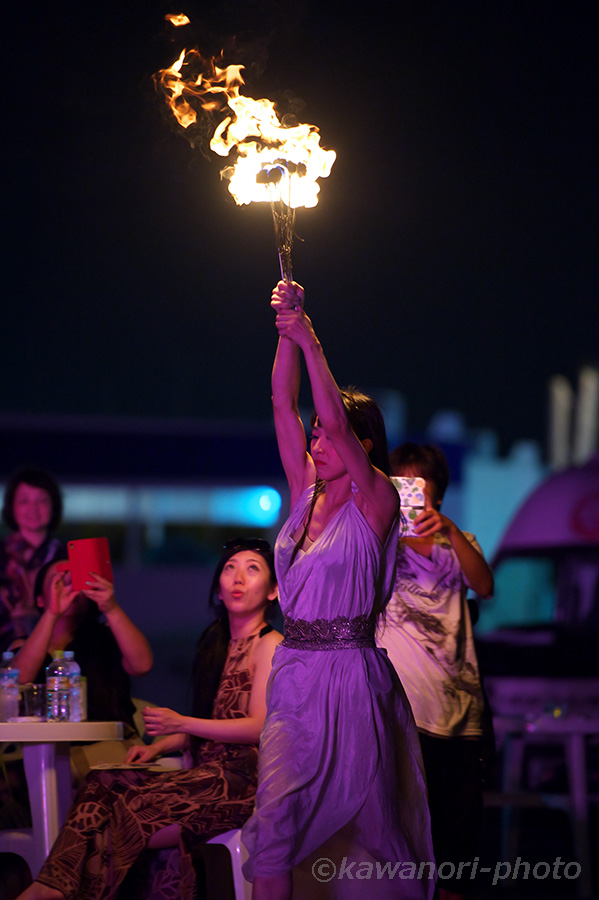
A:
119, 813
340, 759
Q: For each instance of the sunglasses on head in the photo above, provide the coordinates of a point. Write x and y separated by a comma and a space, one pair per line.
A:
258, 544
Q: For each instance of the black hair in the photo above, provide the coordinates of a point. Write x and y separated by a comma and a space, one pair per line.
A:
237, 545
91, 611
428, 460
366, 419
38, 478
38, 584
213, 644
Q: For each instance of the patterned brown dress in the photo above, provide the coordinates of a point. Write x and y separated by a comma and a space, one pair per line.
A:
117, 811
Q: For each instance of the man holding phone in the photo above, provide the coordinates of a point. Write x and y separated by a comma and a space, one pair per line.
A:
428, 636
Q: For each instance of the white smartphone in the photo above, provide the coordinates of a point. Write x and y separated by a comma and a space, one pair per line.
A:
411, 495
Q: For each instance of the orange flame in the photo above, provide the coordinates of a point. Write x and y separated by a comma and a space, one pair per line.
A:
273, 161
177, 20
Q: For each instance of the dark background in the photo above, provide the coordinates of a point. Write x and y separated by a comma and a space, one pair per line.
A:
452, 256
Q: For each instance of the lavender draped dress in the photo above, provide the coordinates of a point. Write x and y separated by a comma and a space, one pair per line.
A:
339, 751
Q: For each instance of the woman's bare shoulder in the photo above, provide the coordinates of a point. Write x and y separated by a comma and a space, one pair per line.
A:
263, 649
268, 642
274, 637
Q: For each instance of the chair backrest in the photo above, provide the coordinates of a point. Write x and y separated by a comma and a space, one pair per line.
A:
138, 719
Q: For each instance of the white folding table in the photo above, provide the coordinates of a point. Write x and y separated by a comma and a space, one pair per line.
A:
46, 748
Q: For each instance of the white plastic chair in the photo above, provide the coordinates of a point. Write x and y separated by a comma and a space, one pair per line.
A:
18, 840
232, 841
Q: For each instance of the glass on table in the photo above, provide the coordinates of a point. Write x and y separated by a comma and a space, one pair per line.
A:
32, 702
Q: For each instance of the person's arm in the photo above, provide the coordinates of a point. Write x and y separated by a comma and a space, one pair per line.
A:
32, 654
245, 730
144, 753
30, 657
379, 500
475, 569
135, 650
291, 437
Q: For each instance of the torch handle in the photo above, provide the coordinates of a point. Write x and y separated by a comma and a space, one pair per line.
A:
283, 217
285, 265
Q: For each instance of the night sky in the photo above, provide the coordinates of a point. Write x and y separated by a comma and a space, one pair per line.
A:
452, 256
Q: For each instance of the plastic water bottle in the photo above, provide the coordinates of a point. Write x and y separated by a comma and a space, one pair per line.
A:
77, 708
57, 689
9, 688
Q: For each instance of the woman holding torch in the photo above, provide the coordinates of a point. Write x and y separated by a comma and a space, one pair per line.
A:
339, 754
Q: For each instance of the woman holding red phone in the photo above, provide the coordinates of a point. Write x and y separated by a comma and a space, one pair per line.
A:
107, 644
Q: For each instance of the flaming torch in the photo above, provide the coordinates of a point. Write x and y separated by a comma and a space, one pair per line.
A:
272, 161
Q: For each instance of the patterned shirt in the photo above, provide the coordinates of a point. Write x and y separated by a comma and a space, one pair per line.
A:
427, 633
19, 565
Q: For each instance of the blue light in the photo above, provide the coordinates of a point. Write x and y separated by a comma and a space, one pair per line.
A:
257, 506
266, 502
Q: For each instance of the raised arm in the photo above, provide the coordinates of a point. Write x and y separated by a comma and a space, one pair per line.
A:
136, 653
291, 437
32, 654
377, 496
475, 569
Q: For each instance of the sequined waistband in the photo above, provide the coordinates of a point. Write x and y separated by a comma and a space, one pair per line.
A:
339, 633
